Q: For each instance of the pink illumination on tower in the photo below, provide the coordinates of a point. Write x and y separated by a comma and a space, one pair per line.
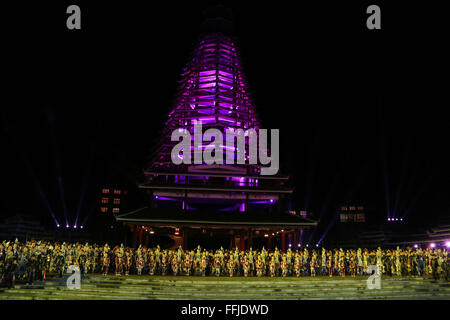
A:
213, 90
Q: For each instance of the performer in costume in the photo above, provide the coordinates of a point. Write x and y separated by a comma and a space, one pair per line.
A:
105, 261
140, 260
128, 262
259, 266
231, 265
379, 256
297, 265
151, 265
365, 261
312, 263
341, 263
272, 266
330, 263
352, 264
246, 266
174, 264
324, 262
217, 264
359, 259
203, 263
187, 265
284, 266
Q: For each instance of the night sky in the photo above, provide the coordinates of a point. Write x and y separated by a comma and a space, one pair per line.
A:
361, 113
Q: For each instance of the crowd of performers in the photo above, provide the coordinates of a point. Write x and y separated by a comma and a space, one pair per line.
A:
33, 260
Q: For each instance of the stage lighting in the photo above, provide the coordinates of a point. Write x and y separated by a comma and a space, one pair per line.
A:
416, 246
432, 245
307, 245
271, 200
401, 219
81, 227
317, 245
290, 245
67, 226
266, 235
299, 245
447, 244
57, 225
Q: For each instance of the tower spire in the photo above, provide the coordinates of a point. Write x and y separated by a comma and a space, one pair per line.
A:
218, 19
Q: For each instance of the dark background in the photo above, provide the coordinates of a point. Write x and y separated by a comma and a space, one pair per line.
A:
361, 112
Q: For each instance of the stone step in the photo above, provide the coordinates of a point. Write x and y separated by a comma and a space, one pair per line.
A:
95, 296
189, 291
186, 288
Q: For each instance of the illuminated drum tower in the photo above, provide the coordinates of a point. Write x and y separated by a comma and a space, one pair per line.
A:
232, 205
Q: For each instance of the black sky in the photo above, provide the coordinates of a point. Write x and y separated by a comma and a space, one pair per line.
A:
361, 113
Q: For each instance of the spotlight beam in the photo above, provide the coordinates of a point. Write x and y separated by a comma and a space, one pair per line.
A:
405, 165
84, 186
384, 162
51, 125
356, 186
30, 171
330, 193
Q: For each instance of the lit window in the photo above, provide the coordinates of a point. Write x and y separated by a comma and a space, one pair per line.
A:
103, 209
116, 191
105, 200
116, 201
116, 210
105, 190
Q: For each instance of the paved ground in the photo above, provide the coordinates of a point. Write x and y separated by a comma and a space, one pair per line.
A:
96, 287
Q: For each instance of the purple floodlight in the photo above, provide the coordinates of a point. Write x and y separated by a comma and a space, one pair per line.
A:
416, 246
432, 245
447, 244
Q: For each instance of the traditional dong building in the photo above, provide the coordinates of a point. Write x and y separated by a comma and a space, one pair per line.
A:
229, 205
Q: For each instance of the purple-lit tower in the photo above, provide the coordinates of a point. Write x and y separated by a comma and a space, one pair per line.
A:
205, 204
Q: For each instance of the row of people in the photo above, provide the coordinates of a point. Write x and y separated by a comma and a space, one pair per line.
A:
33, 260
